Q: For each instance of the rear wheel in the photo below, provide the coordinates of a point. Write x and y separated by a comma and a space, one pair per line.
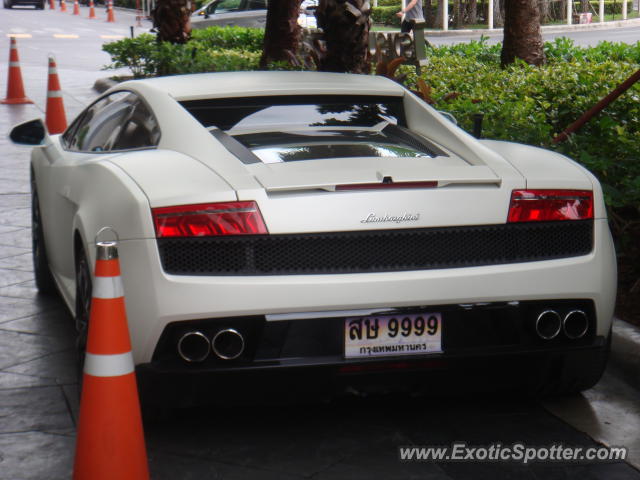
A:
43, 277
83, 305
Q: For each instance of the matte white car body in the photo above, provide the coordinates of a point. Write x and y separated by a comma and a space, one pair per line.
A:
82, 192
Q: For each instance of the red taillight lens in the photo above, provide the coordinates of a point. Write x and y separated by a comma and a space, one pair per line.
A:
550, 205
208, 219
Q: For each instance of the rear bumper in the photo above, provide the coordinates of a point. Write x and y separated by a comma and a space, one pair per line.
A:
484, 347
526, 371
157, 299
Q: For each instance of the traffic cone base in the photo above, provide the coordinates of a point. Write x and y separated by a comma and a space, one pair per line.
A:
109, 445
15, 87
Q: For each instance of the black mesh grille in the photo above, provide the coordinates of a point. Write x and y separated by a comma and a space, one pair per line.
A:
376, 251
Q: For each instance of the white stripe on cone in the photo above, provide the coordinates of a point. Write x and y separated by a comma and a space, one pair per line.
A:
108, 365
54, 94
107, 287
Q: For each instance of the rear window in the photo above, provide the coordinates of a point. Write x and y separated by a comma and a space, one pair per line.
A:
294, 128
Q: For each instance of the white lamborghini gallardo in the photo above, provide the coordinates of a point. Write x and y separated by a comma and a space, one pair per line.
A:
327, 228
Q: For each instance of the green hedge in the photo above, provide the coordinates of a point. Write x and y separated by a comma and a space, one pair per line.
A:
385, 15
238, 38
610, 7
145, 57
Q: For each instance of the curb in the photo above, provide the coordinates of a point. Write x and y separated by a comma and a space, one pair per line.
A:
625, 351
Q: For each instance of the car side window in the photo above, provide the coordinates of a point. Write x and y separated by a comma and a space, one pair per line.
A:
257, 5
101, 123
224, 6
141, 130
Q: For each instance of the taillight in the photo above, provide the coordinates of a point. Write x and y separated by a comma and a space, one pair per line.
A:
550, 205
208, 219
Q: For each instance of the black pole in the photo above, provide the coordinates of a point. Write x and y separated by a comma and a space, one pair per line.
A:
477, 124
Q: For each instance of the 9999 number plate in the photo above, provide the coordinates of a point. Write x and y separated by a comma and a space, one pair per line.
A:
392, 335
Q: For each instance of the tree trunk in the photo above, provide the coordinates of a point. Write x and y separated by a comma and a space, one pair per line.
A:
171, 19
345, 24
428, 13
472, 12
498, 8
282, 33
440, 13
457, 14
585, 5
522, 37
544, 11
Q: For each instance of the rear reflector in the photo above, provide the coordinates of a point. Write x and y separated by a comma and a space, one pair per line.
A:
208, 219
384, 186
550, 205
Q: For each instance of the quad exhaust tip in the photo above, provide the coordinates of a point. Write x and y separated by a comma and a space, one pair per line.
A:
194, 347
575, 324
548, 324
227, 344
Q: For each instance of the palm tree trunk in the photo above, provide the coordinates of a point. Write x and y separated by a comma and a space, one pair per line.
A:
345, 24
171, 19
522, 37
282, 33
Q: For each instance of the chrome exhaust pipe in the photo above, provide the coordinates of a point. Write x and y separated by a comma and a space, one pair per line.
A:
548, 324
575, 324
227, 344
194, 347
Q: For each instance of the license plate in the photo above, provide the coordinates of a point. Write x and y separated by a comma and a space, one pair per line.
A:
392, 335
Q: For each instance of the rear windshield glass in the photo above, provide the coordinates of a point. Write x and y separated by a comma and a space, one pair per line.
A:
292, 128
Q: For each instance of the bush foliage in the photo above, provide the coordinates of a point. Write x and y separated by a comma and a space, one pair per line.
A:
215, 49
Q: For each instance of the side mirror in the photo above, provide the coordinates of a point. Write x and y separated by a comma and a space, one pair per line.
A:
28, 133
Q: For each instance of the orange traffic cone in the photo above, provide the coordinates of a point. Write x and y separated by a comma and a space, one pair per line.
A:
92, 12
52, 4
76, 7
110, 440
63, 6
56, 119
15, 88
110, 16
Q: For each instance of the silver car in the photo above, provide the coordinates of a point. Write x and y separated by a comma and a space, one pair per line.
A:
223, 13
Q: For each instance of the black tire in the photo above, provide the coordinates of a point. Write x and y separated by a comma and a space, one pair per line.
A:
44, 279
83, 306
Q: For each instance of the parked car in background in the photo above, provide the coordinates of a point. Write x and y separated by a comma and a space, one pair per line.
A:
39, 4
240, 13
